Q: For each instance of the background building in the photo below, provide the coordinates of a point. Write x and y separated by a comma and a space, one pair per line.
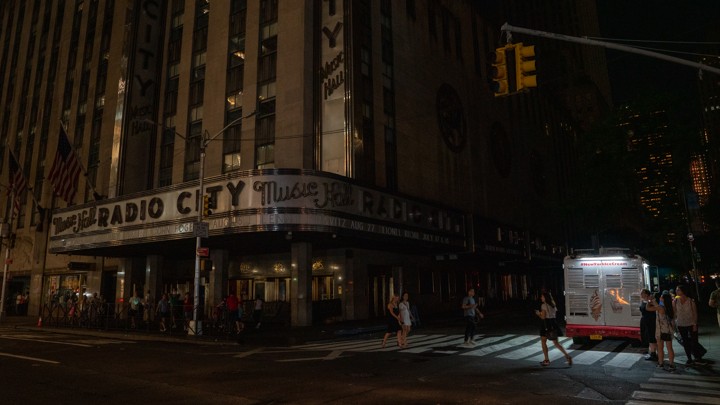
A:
353, 149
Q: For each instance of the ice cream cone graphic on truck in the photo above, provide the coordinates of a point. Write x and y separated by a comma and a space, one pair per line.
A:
595, 306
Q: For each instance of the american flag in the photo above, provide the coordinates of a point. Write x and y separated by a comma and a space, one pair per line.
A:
65, 170
17, 182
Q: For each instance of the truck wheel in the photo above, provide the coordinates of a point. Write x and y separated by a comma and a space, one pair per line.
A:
580, 340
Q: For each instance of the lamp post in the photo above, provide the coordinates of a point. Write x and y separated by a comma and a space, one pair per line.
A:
196, 326
204, 141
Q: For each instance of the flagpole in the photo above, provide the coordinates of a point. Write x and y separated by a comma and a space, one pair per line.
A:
7, 256
95, 194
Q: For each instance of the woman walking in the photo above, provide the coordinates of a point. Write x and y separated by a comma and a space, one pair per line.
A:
550, 328
393, 319
405, 317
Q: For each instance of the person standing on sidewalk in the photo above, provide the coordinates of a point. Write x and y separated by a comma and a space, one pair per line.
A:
647, 325
470, 310
664, 330
258, 311
714, 301
685, 310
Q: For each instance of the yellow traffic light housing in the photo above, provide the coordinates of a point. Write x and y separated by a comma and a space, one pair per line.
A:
525, 77
500, 77
206, 211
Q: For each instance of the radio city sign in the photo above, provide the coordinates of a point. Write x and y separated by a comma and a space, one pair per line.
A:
255, 203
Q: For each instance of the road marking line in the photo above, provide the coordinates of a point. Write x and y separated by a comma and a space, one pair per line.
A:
44, 341
624, 360
500, 346
597, 353
29, 358
248, 353
674, 388
676, 398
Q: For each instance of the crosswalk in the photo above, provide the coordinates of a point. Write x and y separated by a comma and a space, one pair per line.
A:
689, 388
611, 353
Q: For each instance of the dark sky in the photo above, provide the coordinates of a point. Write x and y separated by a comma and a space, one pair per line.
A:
660, 20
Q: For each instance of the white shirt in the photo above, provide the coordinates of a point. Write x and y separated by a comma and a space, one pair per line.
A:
685, 314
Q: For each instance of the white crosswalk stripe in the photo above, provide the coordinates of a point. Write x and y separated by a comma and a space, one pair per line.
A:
526, 348
665, 388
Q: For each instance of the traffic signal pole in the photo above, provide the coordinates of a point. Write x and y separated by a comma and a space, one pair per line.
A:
610, 45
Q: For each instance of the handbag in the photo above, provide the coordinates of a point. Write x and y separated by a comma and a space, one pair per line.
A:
666, 337
551, 331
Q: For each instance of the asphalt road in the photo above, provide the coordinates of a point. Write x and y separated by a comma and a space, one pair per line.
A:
41, 367
37, 367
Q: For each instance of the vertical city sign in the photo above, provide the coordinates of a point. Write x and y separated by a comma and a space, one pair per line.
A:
333, 136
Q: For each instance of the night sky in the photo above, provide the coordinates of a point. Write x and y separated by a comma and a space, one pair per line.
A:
661, 20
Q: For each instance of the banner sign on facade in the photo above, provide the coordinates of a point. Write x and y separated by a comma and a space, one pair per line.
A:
255, 203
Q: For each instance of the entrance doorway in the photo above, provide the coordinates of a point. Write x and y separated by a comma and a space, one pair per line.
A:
380, 287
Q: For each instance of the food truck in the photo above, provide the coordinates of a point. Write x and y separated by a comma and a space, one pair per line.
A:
602, 293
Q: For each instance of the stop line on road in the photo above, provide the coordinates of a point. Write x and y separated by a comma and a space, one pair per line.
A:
612, 353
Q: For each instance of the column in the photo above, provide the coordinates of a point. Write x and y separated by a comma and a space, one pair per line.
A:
216, 287
153, 270
301, 284
123, 289
348, 287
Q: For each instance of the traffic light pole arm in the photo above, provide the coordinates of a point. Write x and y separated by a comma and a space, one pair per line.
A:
610, 45
209, 139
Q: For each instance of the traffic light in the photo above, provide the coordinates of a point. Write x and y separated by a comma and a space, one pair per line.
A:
524, 67
206, 212
500, 86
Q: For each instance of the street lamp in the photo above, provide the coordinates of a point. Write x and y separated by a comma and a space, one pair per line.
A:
204, 141
196, 325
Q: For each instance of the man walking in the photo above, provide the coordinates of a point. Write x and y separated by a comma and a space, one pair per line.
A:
469, 310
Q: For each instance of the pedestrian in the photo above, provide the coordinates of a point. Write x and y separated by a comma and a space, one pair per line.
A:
135, 309
188, 305
175, 307
714, 301
148, 310
18, 303
470, 312
406, 318
393, 321
647, 325
685, 310
664, 315
232, 304
163, 309
550, 328
258, 311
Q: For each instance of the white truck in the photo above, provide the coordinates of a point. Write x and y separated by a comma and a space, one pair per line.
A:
602, 294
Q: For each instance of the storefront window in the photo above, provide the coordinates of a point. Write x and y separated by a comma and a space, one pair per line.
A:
60, 288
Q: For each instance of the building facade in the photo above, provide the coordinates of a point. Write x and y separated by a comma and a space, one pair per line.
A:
350, 150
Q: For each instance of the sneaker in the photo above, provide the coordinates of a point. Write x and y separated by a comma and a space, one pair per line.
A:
659, 365
689, 363
670, 368
651, 357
